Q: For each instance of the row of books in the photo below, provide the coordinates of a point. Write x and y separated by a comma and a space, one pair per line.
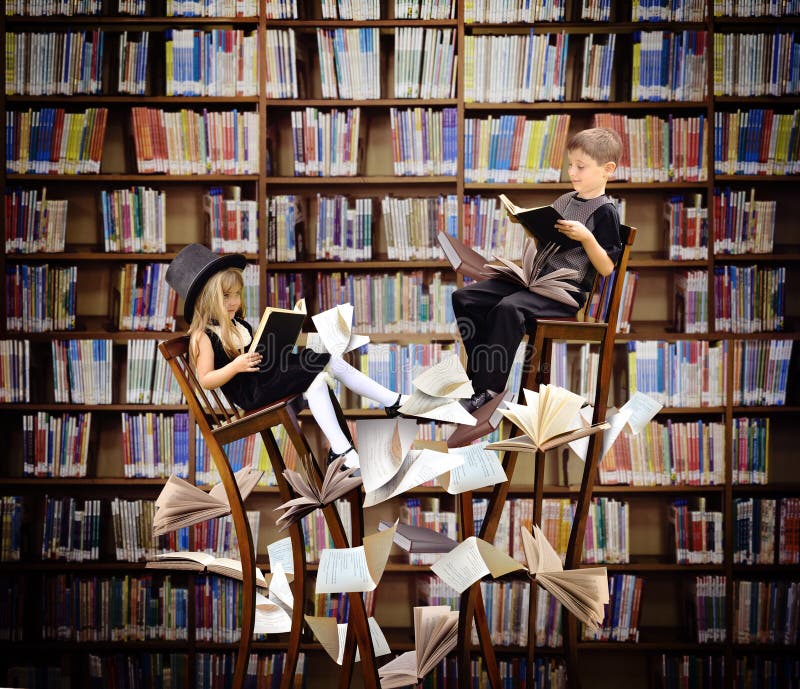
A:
598, 61
742, 225
82, 371
425, 9
343, 233
750, 449
487, 228
316, 534
264, 671
789, 532
766, 612
132, 525
195, 143
11, 507
512, 148
358, 10
424, 141
134, 220
34, 223
749, 299
424, 62
118, 671
669, 66
687, 225
55, 444
70, 531
754, 530
54, 63
40, 298
515, 68
132, 64
692, 670
143, 299
607, 538
403, 302
656, 149
411, 225
149, 379
285, 222
668, 11
697, 532
244, 452
766, 672
506, 604
756, 8
501, 12
548, 673
756, 142
325, 144
756, 64
761, 371
681, 453
622, 612
281, 75
337, 605
709, 608
219, 62
690, 314
231, 224
53, 141
202, 8
130, 608
155, 445
349, 63
12, 599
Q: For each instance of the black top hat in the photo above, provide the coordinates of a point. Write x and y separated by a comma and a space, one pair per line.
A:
191, 269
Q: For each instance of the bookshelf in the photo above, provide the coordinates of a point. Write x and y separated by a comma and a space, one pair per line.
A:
665, 628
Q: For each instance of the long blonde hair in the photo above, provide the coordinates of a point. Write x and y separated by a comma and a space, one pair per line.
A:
209, 309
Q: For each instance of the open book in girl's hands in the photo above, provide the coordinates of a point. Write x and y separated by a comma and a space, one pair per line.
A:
435, 635
549, 418
339, 480
181, 503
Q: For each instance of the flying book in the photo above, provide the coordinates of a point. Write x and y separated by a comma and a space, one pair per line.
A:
435, 635
338, 481
203, 562
181, 503
549, 418
277, 332
540, 222
332, 636
418, 539
464, 260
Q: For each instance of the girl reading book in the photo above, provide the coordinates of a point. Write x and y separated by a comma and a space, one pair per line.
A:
211, 286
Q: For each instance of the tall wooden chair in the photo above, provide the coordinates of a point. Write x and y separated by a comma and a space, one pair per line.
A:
606, 294
221, 422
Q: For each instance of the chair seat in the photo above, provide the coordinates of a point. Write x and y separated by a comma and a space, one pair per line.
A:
236, 428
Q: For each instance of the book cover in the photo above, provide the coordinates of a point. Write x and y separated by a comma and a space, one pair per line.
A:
540, 223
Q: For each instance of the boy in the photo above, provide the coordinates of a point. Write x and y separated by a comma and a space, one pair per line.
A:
493, 314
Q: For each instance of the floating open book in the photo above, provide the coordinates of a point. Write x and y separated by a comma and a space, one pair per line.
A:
435, 635
539, 222
183, 504
549, 418
339, 480
203, 562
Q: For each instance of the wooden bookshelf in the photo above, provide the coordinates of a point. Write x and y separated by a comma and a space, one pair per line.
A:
666, 625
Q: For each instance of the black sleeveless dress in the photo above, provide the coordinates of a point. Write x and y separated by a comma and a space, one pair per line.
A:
273, 381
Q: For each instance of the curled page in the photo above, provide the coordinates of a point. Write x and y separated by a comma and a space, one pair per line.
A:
348, 570
280, 592
270, 618
616, 419
437, 408
445, 379
382, 446
332, 637
480, 468
334, 327
641, 409
470, 561
280, 553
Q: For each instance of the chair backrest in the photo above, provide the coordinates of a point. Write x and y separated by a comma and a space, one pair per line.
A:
603, 301
211, 404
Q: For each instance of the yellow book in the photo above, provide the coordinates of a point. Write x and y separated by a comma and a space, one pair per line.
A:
170, 59
636, 75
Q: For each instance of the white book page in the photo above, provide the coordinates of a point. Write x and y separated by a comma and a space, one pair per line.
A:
382, 446
642, 409
270, 618
343, 570
462, 566
194, 555
334, 326
617, 419
380, 646
480, 468
280, 553
437, 408
279, 590
445, 379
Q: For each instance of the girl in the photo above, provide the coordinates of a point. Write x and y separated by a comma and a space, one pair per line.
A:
219, 337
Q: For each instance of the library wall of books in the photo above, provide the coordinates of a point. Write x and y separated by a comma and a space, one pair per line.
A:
330, 142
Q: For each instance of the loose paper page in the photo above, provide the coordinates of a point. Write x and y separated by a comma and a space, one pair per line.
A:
540, 555
470, 561
334, 327
419, 467
346, 570
280, 553
314, 342
270, 618
382, 446
380, 646
445, 379
437, 408
481, 468
279, 590
616, 419
642, 409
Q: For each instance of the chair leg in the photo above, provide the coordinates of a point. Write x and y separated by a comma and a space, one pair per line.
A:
298, 559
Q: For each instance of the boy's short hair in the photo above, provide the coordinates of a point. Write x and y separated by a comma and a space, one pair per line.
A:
603, 145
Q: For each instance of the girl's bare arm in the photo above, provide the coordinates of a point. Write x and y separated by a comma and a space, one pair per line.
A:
211, 378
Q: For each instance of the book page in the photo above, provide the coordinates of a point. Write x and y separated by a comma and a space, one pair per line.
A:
481, 467
462, 566
582, 591
418, 467
343, 570
270, 618
641, 409
437, 408
193, 555
382, 446
280, 592
314, 342
400, 672
540, 555
380, 646
280, 553
376, 551
524, 416
558, 411
435, 635
333, 327
616, 420
445, 379
246, 479
498, 562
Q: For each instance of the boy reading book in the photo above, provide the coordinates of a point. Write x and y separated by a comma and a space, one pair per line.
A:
494, 314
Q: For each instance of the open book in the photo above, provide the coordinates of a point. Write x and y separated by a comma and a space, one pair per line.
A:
181, 503
539, 222
464, 260
277, 332
339, 480
418, 539
332, 636
203, 562
582, 591
435, 635
549, 418
437, 391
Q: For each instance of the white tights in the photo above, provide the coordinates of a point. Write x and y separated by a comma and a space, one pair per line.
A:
319, 400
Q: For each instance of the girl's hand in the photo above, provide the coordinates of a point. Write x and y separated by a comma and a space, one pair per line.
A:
574, 230
244, 363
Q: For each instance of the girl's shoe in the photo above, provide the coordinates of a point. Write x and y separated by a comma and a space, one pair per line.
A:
393, 411
350, 455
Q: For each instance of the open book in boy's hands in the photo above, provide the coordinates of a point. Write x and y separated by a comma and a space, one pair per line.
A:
435, 635
437, 391
338, 481
197, 561
549, 418
335, 331
582, 591
539, 222
182, 504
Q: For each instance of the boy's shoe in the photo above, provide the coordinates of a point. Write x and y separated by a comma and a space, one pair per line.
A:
478, 400
393, 410
488, 417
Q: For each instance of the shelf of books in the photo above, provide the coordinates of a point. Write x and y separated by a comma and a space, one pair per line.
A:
330, 143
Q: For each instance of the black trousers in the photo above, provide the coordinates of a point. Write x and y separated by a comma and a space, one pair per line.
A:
492, 317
